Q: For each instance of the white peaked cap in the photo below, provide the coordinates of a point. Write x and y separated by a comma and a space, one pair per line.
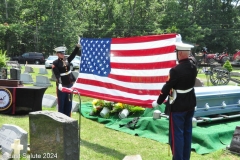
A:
182, 46
60, 49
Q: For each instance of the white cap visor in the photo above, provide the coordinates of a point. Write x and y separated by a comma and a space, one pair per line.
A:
183, 46
60, 49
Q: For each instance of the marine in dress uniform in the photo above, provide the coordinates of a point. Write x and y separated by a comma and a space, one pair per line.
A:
64, 78
181, 82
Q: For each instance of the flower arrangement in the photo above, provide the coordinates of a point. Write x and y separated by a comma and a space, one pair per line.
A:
105, 108
97, 105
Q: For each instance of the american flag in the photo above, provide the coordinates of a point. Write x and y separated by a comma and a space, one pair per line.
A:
130, 70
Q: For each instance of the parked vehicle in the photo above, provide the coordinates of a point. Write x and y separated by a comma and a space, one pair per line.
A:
215, 57
49, 61
75, 63
30, 57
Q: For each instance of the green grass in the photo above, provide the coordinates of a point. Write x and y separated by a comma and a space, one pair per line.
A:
101, 143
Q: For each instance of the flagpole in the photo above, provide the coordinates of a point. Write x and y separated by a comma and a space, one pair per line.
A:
79, 121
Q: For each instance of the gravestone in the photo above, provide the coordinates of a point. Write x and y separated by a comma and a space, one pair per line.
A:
15, 73
75, 106
54, 133
43, 71
28, 69
42, 81
8, 133
53, 78
49, 100
133, 157
75, 74
26, 78
235, 143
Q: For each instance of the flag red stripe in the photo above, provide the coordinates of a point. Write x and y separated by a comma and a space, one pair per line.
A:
126, 100
143, 66
134, 79
145, 52
117, 87
139, 39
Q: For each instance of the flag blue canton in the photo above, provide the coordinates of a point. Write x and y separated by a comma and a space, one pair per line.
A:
95, 58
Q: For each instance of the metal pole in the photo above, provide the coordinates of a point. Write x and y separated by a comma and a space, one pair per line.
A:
79, 121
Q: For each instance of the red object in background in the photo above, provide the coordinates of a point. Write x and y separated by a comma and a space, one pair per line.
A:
236, 56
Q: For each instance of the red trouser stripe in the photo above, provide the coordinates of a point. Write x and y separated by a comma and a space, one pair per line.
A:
172, 134
57, 97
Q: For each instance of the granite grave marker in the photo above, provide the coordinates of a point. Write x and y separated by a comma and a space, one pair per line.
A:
28, 69
15, 73
49, 100
8, 133
43, 71
42, 81
53, 135
26, 78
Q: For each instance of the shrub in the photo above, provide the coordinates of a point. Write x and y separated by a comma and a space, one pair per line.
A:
3, 58
228, 66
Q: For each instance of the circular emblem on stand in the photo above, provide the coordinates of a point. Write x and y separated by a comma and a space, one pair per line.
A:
5, 99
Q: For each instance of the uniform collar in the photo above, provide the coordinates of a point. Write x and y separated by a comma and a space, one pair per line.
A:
183, 60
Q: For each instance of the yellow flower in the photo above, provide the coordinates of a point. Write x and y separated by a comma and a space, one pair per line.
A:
119, 105
95, 101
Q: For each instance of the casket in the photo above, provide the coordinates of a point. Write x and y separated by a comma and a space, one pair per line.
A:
217, 100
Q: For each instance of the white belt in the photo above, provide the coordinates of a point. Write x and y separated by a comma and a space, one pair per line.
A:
184, 91
64, 74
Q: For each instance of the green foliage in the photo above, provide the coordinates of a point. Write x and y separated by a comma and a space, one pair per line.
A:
31, 26
228, 66
3, 58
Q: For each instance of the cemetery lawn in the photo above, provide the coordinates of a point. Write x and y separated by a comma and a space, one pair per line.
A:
101, 143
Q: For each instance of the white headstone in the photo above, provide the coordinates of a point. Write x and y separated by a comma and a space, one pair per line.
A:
133, 157
26, 78
28, 69
42, 81
75, 106
49, 100
8, 133
43, 71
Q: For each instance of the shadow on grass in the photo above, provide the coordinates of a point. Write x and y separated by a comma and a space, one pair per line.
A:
102, 149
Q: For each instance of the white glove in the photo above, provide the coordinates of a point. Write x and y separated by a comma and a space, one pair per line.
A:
154, 104
60, 87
